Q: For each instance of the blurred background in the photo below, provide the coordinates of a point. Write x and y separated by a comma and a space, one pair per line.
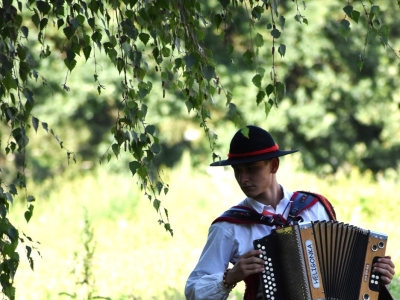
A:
99, 236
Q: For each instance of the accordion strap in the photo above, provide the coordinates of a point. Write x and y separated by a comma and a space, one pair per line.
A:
246, 215
300, 201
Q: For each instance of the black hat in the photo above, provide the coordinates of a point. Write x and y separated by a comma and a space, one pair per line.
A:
258, 146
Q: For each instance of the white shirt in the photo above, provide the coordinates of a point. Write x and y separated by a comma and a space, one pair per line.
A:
226, 242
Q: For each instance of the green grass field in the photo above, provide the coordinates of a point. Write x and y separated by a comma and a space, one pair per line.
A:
134, 257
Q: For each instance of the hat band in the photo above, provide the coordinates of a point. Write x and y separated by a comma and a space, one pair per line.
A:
258, 152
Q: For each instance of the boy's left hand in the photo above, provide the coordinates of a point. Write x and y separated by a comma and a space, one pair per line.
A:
385, 267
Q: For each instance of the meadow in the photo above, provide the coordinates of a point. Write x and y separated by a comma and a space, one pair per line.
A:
100, 239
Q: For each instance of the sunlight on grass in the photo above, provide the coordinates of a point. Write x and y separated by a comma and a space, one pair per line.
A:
135, 258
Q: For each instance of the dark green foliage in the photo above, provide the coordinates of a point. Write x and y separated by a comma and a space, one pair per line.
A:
167, 61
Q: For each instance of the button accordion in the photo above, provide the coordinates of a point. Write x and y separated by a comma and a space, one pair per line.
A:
320, 260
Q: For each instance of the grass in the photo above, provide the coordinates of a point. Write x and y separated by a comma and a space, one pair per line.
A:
134, 257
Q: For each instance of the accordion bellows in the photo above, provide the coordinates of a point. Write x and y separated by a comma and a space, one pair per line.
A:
323, 260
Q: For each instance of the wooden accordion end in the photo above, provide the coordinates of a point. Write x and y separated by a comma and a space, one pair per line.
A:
323, 260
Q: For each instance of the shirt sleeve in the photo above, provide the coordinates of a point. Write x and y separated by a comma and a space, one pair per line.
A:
205, 281
315, 213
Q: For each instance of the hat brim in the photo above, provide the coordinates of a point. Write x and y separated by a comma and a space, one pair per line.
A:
251, 159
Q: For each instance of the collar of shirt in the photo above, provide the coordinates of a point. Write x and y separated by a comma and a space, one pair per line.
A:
281, 208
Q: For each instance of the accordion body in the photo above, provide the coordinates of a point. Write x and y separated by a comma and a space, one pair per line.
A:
323, 260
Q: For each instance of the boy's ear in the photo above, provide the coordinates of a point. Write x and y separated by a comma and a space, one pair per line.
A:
274, 165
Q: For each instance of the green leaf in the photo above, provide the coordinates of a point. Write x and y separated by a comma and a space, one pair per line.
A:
355, 15
69, 32
91, 22
28, 216
13, 232
280, 87
190, 60
258, 40
166, 52
36, 20
24, 70
256, 12
43, 23
30, 199
217, 20
159, 186
384, 34
156, 52
276, 33
267, 107
35, 123
344, 29
81, 19
133, 166
9, 197
86, 51
43, 7
269, 89
282, 50
45, 126
120, 64
348, 10
96, 37
155, 148
70, 63
25, 31
360, 64
9, 81
257, 80
224, 3
76, 48
115, 148
162, 4
282, 21
144, 37
260, 96
13, 189
60, 22
150, 129
248, 58
208, 72
375, 9
21, 51
156, 204
261, 71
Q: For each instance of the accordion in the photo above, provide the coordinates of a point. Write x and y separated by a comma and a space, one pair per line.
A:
323, 260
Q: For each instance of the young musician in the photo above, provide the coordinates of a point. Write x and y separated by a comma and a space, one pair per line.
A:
255, 162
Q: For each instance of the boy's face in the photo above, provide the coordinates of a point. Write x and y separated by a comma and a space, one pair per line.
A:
254, 178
